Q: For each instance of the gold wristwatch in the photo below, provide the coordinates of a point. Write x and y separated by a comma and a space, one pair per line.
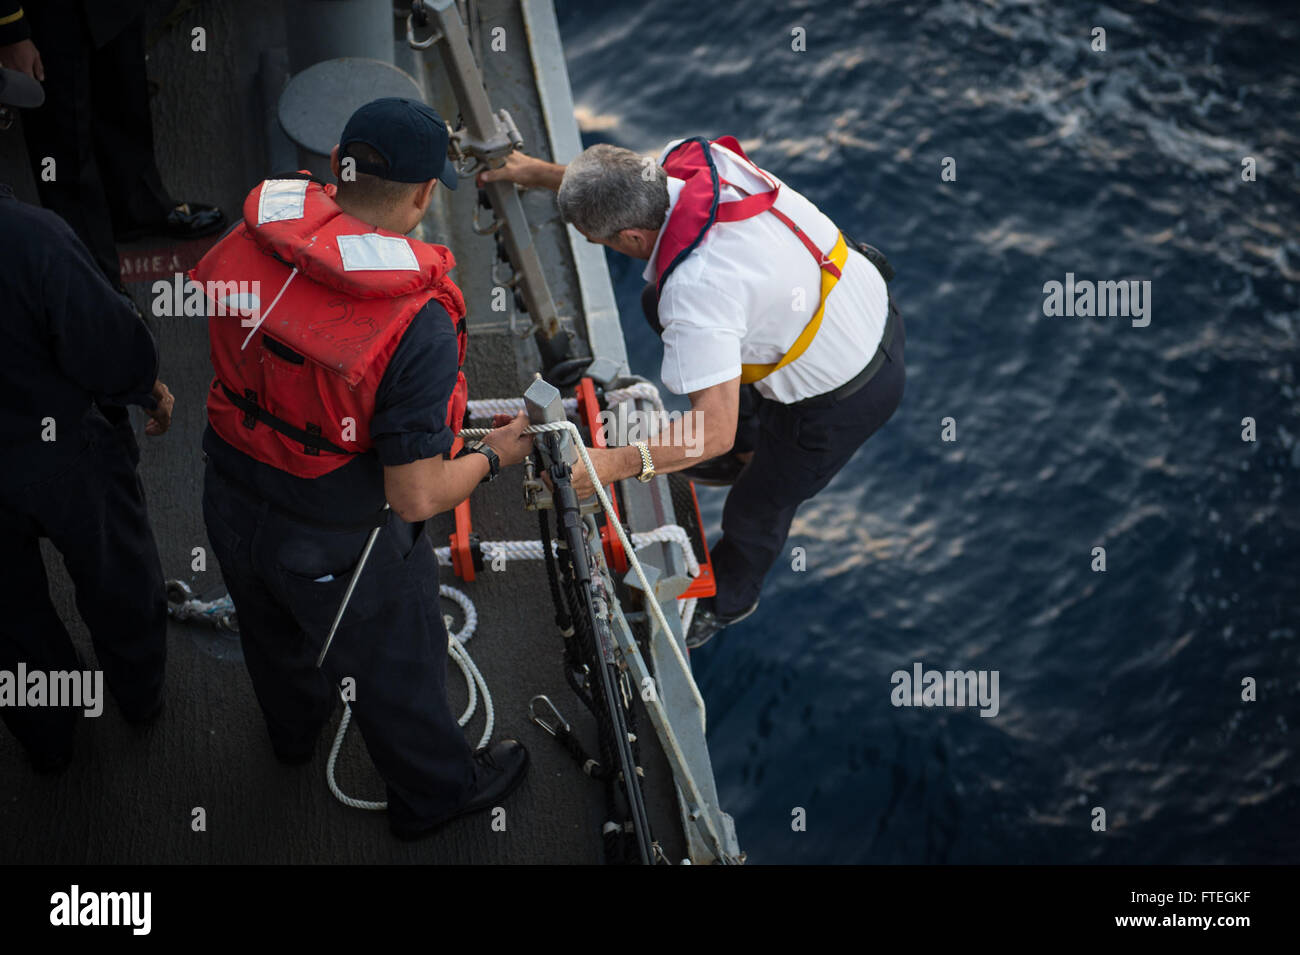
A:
647, 462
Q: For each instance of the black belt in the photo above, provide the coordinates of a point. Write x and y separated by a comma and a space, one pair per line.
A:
865, 375
874, 256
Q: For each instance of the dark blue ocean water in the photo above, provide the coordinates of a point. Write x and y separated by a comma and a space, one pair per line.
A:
1121, 689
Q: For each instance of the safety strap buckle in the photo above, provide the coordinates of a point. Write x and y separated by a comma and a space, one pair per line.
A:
250, 414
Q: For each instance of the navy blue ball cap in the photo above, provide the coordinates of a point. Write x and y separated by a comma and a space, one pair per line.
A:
410, 136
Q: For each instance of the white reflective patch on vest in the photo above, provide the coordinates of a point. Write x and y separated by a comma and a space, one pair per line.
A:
281, 200
373, 252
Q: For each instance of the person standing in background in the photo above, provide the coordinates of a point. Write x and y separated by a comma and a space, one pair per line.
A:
95, 125
71, 345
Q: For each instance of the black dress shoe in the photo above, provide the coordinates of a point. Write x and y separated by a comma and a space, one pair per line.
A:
498, 771
717, 472
706, 623
189, 220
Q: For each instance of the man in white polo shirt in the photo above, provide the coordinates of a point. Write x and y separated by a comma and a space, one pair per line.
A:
780, 330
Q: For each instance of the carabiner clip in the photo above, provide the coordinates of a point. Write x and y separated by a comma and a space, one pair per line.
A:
558, 723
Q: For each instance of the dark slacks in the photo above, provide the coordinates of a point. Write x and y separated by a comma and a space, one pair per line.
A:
392, 643
94, 513
96, 126
799, 449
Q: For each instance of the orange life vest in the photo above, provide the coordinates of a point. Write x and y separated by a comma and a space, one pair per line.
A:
306, 307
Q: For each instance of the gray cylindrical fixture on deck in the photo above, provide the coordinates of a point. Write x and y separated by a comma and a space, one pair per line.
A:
340, 53
325, 29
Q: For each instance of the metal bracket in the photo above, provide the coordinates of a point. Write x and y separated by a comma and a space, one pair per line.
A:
711, 833
486, 139
419, 16
544, 404
471, 154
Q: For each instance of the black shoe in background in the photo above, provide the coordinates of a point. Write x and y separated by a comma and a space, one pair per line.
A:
499, 768
188, 220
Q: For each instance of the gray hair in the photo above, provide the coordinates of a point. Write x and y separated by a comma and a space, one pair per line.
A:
607, 189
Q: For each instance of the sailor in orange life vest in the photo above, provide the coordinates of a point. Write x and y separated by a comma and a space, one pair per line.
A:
779, 328
345, 391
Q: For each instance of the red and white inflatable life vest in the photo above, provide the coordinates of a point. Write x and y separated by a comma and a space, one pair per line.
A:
699, 207
306, 307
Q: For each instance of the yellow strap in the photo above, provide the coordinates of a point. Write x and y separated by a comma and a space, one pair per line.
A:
4, 21
839, 255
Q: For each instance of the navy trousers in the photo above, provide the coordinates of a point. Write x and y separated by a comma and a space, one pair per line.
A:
97, 126
392, 643
94, 514
798, 449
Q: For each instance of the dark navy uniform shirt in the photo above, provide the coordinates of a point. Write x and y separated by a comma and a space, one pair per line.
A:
68, 340
410, 423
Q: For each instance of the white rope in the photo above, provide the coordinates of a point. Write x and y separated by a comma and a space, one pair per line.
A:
655, 610
473, 679
510, 550
641, 389
526, 550
532, 549
487, 407
210, 611
670, 534
688, 613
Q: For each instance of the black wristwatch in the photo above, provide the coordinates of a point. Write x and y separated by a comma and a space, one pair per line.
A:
494, 462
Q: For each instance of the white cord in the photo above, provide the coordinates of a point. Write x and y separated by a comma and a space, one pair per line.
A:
639, 389
487, 407
473, 678
656, 611
532, 549
688, 613
455, 643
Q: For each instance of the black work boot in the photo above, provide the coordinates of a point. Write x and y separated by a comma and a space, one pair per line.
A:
706, 623
498, 770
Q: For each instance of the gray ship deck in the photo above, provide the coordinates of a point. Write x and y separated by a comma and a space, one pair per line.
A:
129, 795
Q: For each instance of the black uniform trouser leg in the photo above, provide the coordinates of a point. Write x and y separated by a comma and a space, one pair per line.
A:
94, 513
123, 131
391, 645
32, 633
800, 449
96, 126
295, 696
99, 522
